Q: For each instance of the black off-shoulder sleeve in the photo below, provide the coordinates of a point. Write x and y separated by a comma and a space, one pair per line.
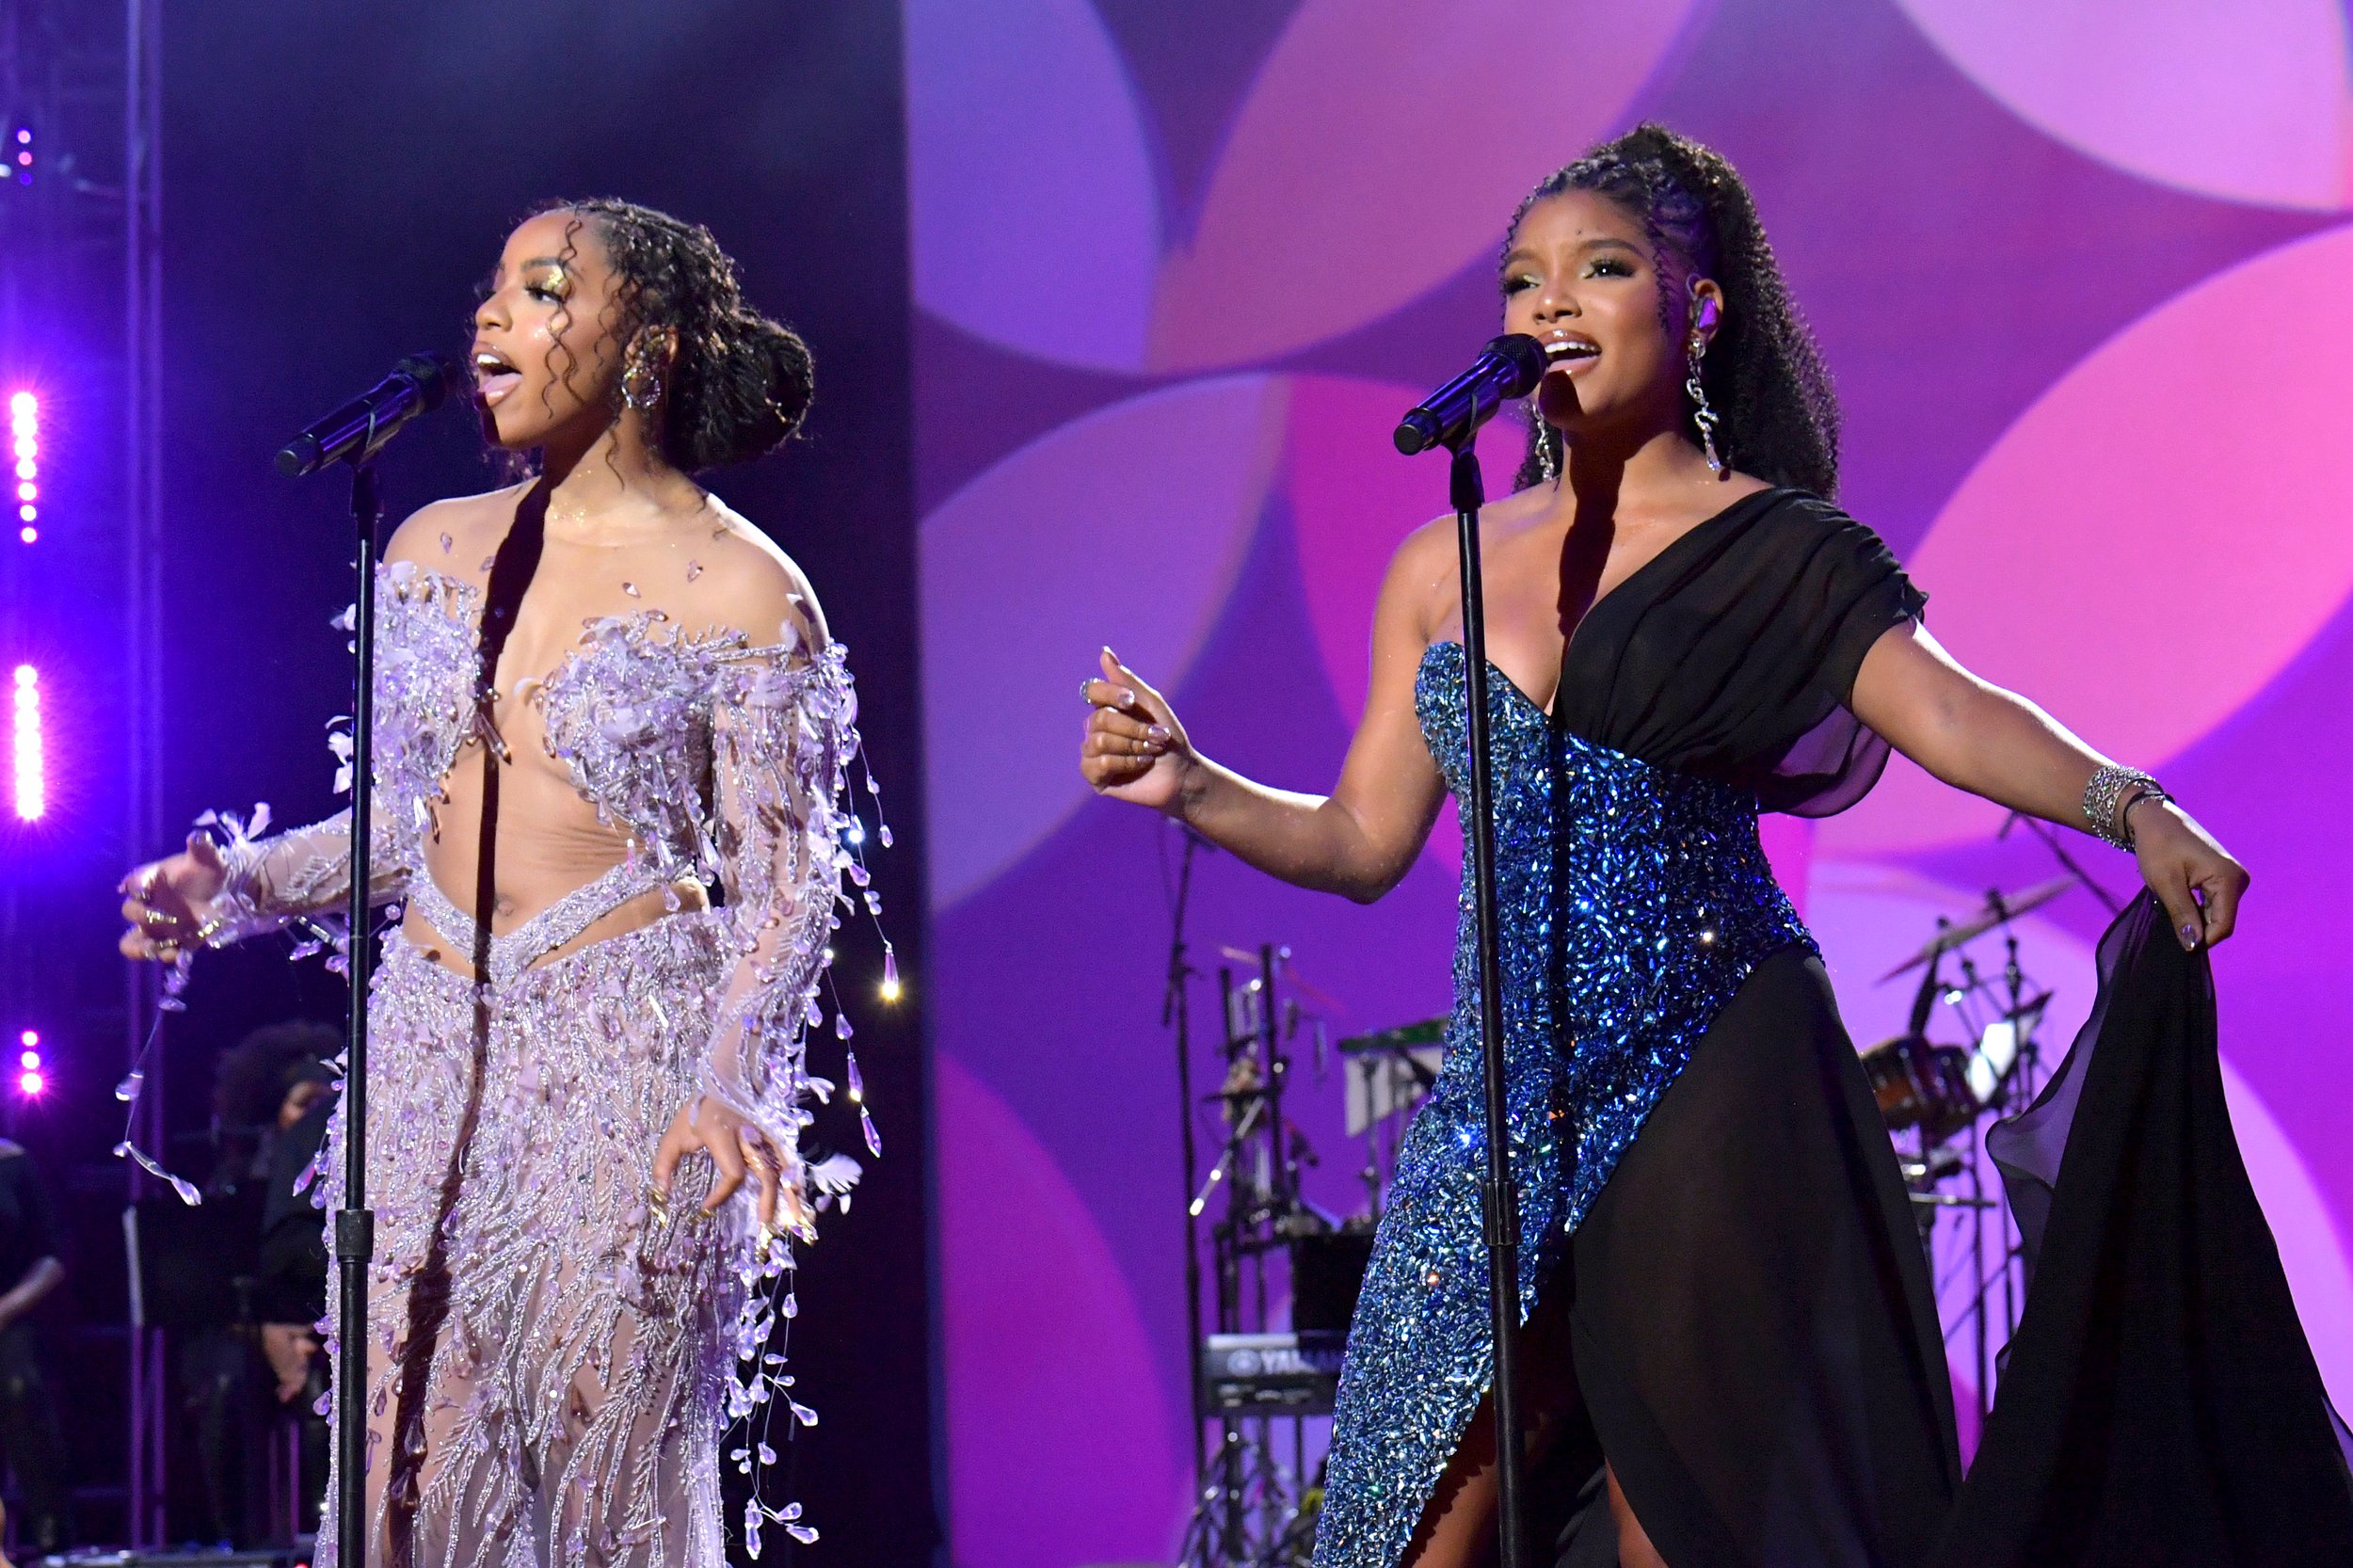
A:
1734, 653
1868, 596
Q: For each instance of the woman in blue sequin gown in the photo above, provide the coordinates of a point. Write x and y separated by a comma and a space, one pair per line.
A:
1731, 1327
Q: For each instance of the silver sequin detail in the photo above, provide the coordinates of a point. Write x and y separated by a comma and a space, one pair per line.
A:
549, 929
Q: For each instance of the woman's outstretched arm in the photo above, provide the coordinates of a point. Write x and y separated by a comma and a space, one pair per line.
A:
1360, 840
1978, 737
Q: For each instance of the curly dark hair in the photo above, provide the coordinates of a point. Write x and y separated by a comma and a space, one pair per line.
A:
1763, 373
740, 383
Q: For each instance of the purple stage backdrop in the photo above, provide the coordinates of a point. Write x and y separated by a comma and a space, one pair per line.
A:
2079, 269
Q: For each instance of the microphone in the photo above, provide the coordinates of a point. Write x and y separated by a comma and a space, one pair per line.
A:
418, 384
1507, 367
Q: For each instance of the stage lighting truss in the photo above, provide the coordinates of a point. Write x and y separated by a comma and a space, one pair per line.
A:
28, 770
24, 454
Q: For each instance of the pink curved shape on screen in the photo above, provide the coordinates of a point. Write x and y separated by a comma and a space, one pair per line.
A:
1031, 192
1353, 502
1126, 527
1052, 1395
2232, 98
2156, 536
1383, 147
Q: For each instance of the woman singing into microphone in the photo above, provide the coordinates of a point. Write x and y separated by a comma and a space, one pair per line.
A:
1726, 1302
602, 695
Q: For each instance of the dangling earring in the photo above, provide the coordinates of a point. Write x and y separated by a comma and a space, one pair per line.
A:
641, 387
1544, 463
1701, 415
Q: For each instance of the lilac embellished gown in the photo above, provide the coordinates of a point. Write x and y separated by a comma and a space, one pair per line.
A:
552, 1361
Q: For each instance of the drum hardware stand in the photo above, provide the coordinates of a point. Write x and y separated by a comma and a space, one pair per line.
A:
1248, 1508
1993, 1260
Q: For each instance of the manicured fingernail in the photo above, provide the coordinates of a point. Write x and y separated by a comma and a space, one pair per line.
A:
1127, 697
2189, 936
1160, 733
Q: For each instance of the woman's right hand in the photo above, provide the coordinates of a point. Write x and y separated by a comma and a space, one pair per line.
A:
1135, 749
166, 902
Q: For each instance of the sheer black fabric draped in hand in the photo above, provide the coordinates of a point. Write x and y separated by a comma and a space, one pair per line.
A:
2160, 1406
1753, 1332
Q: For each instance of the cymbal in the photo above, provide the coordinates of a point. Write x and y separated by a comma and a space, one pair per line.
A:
1997, 910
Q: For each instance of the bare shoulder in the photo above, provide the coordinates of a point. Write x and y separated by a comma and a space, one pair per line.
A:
457, 535
750, 584
1425, 573
1419, 584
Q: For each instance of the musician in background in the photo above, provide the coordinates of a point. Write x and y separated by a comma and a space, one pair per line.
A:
30, 1272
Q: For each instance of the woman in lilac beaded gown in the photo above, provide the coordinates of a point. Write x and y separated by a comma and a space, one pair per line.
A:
1733, 1357
613, 751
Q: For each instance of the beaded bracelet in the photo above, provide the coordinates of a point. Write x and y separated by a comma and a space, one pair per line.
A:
2104, 795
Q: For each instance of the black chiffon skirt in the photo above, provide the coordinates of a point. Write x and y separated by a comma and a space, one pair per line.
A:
1757, 1348
1752, 1330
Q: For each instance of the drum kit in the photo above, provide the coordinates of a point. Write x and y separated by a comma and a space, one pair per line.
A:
1940, 1091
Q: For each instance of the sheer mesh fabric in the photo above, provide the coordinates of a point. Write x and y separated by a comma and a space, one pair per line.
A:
1753, 1331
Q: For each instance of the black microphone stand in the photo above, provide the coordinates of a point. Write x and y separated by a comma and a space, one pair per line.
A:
1176, 1009
1498, 1201
355, 1223
353, 434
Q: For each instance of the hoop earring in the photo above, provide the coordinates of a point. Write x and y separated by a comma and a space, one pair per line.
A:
641, 389
1701, 415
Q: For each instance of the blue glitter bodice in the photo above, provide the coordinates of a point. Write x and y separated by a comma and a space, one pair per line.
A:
1635, 902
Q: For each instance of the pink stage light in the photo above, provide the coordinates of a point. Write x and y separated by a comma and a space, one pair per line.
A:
31, 1083
29, 771
25, 445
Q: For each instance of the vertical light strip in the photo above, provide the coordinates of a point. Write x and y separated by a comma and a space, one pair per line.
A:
28, 769
32, 1078
24, 448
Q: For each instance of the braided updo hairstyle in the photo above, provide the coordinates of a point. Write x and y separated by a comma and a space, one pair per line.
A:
1763, 374
740, 383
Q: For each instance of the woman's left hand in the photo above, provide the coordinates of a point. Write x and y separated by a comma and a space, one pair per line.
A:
707, 1126
2194, 878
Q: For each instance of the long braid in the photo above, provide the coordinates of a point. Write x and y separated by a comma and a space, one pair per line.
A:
1763, 373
